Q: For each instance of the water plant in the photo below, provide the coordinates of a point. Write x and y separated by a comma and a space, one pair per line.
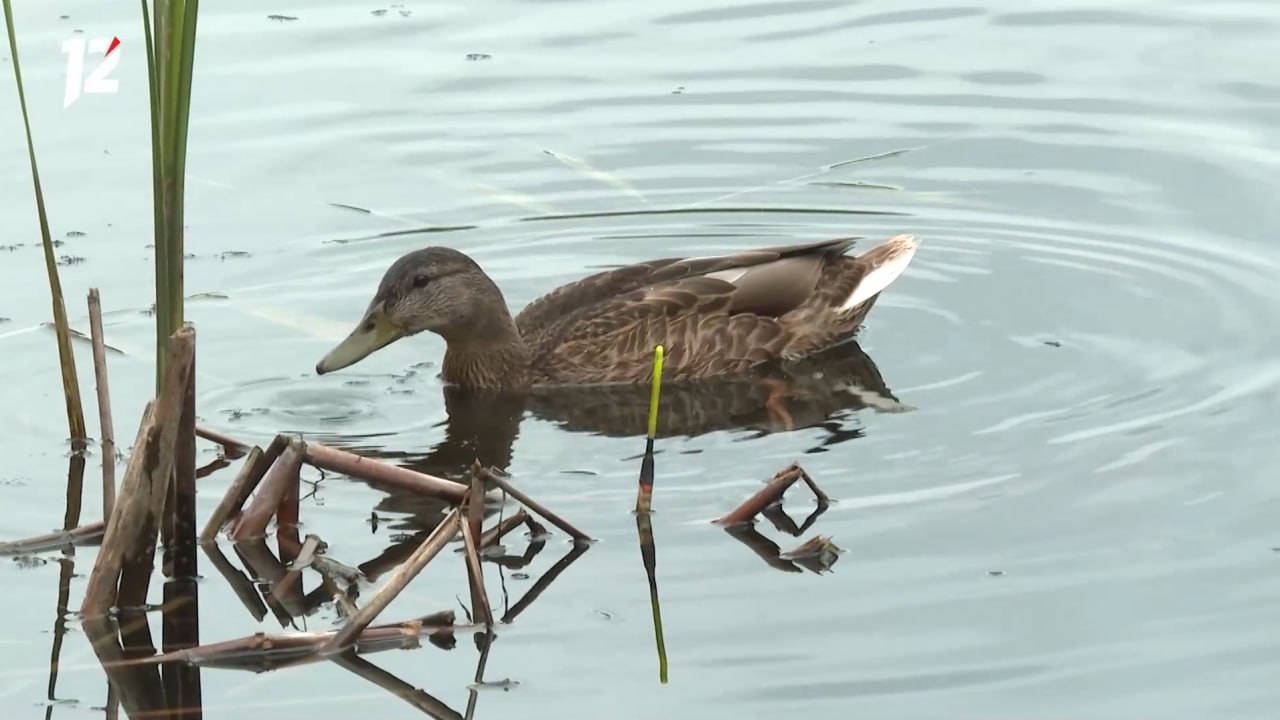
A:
66, 358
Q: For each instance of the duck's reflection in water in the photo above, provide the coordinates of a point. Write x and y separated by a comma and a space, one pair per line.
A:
825, 391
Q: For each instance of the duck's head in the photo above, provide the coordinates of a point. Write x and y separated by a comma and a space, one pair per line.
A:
437, 289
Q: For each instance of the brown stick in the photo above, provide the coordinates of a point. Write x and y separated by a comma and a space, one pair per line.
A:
104, 404
54, 540
233, 493
430, 547
528, 502
495, 534
253, 521
263, 649
231, 447
165, 456
100, 590
475, 505
766, 496
131, 529
180, 519
480, 609
269, 457
385, 474
823, 500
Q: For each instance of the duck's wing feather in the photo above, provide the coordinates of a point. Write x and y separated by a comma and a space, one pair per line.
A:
715, 315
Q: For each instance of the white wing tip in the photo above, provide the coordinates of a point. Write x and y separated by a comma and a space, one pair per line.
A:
888, 260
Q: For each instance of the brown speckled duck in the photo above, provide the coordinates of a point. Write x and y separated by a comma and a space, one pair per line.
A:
717, 317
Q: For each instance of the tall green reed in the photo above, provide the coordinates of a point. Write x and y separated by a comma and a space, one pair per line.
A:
170, 59
170, 48
66, 358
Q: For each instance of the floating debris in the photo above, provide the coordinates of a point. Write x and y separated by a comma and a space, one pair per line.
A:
282, 18
233, 254
479, 56
816, 555
505, 685
1053, 343
75, 234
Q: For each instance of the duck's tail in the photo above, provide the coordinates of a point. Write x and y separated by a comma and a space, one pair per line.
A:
882, 265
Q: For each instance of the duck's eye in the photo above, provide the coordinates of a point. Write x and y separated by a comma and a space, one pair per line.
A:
420, 281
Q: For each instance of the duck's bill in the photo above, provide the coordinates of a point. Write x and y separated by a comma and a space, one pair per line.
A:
374, 332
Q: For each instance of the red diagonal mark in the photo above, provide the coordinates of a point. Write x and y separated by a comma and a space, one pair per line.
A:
115, 43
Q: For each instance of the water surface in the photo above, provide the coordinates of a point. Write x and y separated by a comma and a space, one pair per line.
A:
1076, 519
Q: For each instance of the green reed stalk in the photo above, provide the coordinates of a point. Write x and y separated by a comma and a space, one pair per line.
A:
644, 496
66, 358
170, 46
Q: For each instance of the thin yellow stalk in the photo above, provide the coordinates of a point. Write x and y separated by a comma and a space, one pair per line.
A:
66, 358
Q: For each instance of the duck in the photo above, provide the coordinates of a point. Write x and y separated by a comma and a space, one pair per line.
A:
717, 317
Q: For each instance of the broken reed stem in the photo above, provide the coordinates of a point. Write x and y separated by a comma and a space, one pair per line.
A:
252, 522
126, 559
53, 540
166, 457
475, 505
385, 474
101, 589
108, 443
480, 608
533, 505
179, 519
766, 496
231, 447
246, 652
429, 548
242, 490
494, 535
235, 496
470, 535
823, 500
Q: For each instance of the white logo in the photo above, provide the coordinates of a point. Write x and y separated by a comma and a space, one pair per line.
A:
97, 82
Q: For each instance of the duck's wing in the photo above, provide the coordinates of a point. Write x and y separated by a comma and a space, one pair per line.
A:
715, 315
768, 281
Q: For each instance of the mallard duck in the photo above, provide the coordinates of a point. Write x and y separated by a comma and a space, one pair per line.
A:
723, 316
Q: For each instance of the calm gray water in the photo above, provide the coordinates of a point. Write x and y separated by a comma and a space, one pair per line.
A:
1077, 519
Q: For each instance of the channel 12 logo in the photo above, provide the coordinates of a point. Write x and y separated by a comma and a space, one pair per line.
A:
98, 81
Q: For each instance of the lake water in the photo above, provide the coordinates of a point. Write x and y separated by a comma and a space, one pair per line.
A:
1076, 519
